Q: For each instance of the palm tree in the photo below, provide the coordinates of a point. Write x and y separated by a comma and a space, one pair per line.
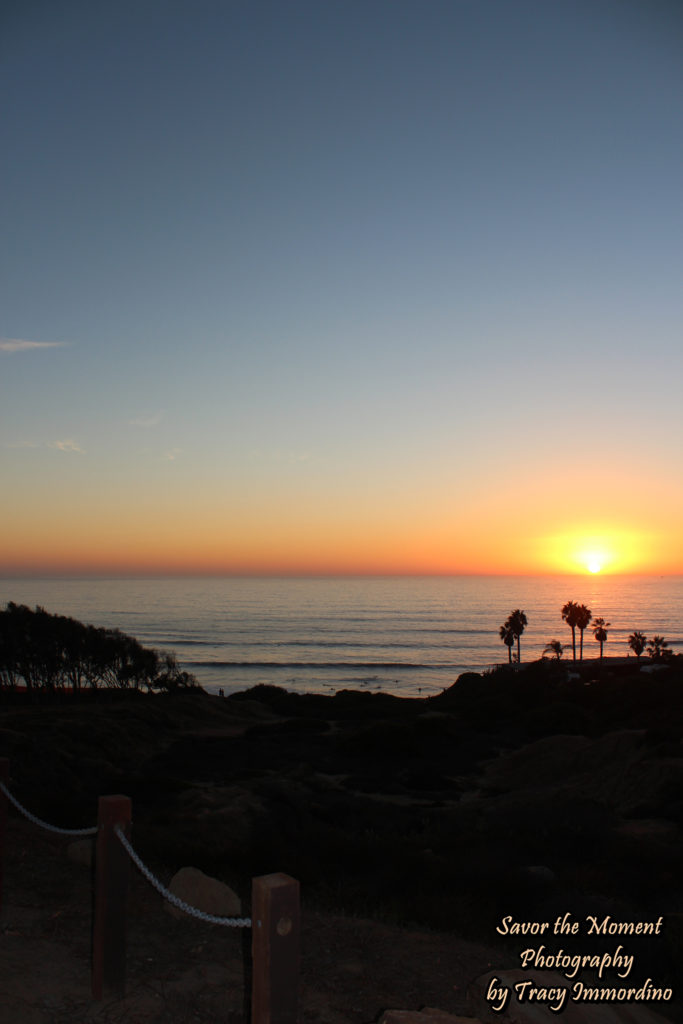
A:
570, 614
508, 638
636, 642
516, 621
658, 648
554, 647
600, 631
584, 615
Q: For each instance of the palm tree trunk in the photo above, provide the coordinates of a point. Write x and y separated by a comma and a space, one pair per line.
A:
519, 655
574, 642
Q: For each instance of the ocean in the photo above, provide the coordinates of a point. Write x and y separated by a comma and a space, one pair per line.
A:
409, 636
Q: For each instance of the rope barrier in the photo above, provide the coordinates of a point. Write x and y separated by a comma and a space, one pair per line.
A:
230, 922
45, 824
275, 909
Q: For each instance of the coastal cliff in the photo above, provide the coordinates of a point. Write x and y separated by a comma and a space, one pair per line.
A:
525, 793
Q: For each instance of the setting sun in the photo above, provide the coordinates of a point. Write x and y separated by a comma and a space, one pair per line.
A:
594, 559
596, 551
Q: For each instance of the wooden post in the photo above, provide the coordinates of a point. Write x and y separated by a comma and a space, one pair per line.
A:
275, 928
111, 892
4, 777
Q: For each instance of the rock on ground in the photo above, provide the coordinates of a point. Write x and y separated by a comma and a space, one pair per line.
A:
204, 893
81, 851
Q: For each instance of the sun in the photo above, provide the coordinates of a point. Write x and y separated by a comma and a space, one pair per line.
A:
593, 557
590, 552
597, 550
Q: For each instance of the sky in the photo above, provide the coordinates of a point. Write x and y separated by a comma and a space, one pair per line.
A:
372, 286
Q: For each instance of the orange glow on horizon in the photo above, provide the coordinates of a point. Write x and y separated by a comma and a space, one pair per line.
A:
347, 538
287, 555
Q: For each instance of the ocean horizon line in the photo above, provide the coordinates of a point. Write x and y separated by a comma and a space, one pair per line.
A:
177, 575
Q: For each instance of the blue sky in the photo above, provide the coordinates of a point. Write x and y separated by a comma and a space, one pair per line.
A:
321, 249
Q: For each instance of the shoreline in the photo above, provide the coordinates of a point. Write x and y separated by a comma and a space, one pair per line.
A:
420, 688
566, 666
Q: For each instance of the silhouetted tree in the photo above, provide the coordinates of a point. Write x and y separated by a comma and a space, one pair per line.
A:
658, 648
583, 617
570, 614
10, 673
170, 677
74, 648
508, 638
600, 628
637, 642
554, 647
28, 641
49, 651
515, 623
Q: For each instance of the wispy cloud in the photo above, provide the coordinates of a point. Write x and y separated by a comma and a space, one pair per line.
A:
173, 454
19, 345
67, 446
147, 421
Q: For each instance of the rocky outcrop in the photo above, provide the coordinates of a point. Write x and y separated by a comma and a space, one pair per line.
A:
620, 769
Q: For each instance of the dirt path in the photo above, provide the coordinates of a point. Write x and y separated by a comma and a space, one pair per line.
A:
187, 972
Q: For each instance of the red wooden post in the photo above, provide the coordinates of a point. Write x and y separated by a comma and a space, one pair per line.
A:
275, 928
4, 777
111, 891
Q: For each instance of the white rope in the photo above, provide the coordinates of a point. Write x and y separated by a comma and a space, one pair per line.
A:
230, 922
44, 824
